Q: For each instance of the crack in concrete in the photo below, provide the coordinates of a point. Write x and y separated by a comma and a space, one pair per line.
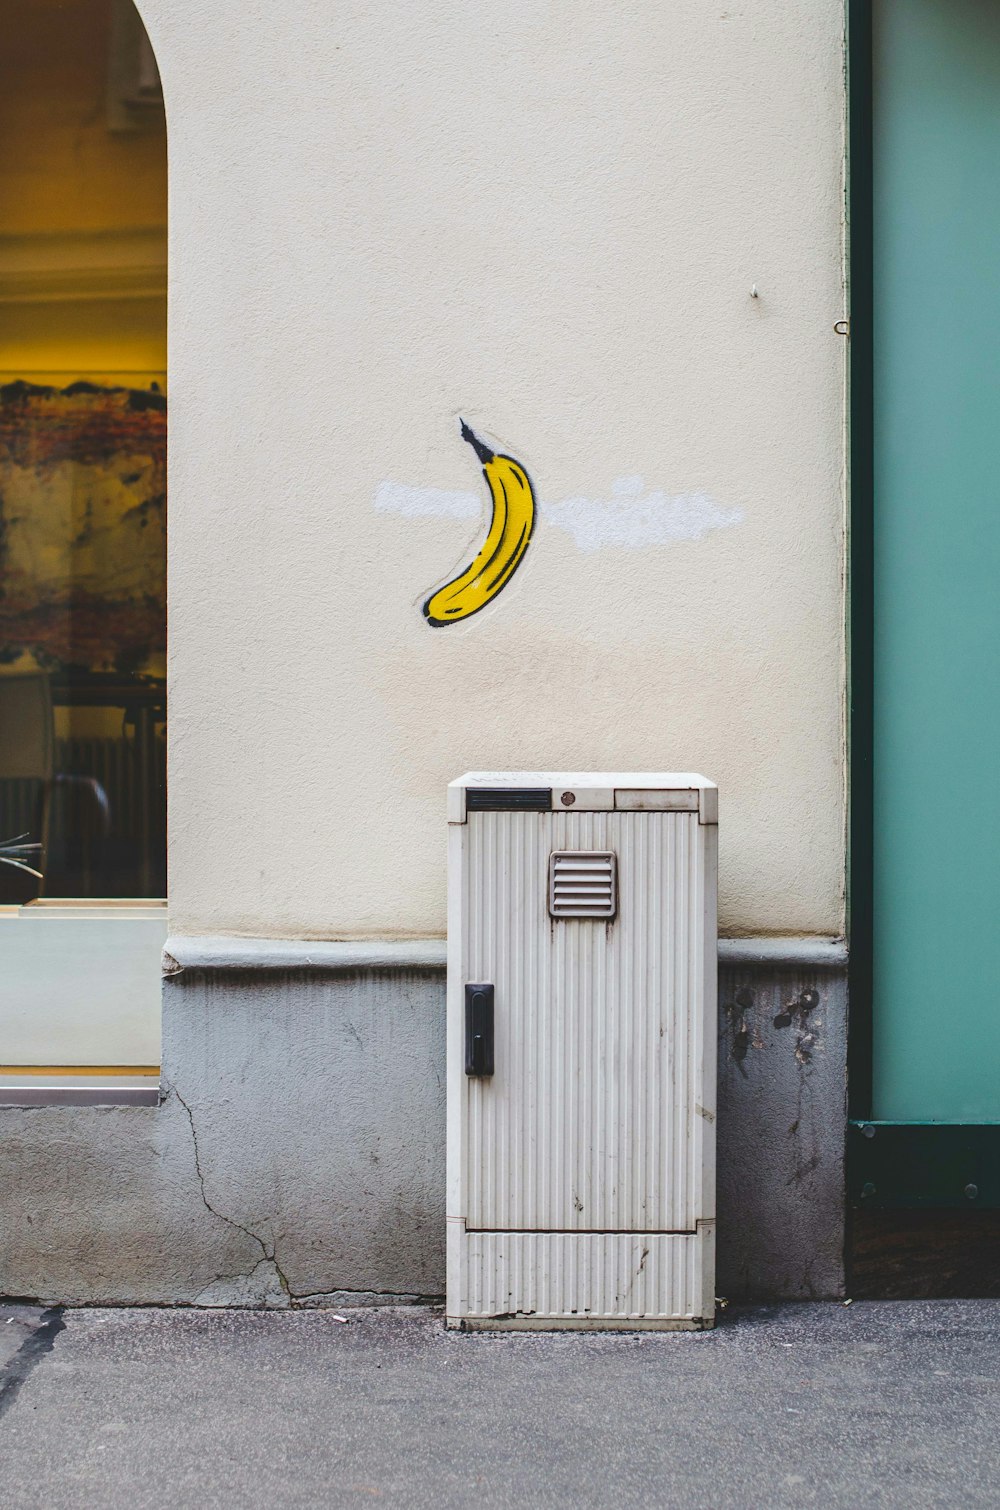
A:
362, 1299
260, 1301
301, 1299
269, 1252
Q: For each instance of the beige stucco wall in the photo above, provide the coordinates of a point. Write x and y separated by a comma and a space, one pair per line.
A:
548, 220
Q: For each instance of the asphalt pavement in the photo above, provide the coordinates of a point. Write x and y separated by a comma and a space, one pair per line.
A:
871, 1404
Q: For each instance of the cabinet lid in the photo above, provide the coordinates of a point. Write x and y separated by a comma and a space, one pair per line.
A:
582, 791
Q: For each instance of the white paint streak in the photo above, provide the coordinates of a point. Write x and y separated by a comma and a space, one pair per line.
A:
635, 519
631, 518
425, 503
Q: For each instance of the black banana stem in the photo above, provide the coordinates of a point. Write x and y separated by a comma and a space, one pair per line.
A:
481, 449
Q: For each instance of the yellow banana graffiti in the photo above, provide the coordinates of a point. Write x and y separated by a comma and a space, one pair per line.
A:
505, 544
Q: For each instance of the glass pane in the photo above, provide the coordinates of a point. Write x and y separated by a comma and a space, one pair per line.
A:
82, 454
83, 634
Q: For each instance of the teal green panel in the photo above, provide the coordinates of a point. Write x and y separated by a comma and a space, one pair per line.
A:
937, 559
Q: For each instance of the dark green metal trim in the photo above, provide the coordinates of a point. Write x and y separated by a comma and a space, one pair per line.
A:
860, 572
930, 1164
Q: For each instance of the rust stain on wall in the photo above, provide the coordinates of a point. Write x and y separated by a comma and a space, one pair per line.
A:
798, 1011
742, 1033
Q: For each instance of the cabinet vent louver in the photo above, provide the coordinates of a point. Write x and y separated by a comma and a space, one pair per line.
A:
583, 883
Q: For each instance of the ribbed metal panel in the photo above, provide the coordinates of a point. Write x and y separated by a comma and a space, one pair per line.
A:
590, 1120
581, 1173
559, 1275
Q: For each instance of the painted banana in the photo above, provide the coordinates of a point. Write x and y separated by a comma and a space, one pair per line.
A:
504, 546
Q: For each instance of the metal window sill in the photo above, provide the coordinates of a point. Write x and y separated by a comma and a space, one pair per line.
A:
28, 1088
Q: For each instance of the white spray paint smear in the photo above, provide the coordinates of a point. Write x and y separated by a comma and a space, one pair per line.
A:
633, 518
426, 503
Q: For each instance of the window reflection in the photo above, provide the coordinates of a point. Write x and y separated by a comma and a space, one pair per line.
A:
83, 637
83, 244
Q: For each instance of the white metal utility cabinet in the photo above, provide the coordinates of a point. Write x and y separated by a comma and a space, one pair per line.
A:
581, 1050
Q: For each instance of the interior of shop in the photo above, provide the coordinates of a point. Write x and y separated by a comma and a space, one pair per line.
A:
83, 413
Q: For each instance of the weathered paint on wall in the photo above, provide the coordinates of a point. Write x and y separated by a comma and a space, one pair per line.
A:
548, 222
83, 527
782, 1112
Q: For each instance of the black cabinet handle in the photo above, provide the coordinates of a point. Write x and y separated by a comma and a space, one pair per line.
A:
479, 1030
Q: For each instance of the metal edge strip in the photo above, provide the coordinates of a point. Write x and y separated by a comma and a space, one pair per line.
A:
811, 953
33, 1095
203, 953
188, 952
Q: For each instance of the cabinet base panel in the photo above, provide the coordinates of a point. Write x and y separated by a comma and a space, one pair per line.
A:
581, 1323
561, 1281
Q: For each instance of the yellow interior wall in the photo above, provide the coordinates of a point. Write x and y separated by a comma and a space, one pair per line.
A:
56, 343
63, 171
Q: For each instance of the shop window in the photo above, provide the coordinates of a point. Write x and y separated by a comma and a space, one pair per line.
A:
83, 416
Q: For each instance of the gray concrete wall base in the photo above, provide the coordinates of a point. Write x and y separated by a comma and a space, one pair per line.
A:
297, 1155
103, 1204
